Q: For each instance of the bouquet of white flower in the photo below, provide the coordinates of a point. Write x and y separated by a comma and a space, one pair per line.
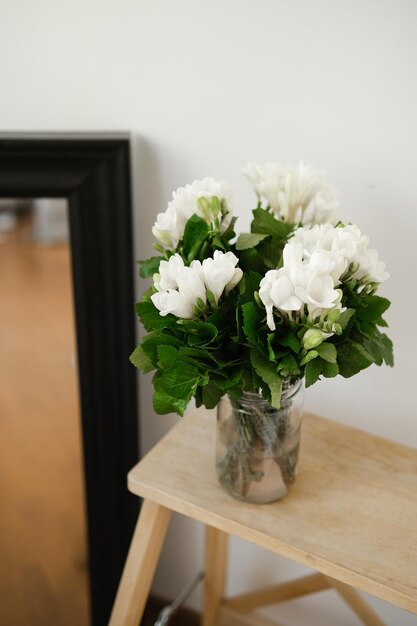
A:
294, 298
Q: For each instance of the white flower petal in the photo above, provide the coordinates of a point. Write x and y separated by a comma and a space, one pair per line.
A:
219, 271
168, 273
297, 194
173, 302
191, 286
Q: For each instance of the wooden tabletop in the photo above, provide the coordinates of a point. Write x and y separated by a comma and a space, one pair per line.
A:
351, 514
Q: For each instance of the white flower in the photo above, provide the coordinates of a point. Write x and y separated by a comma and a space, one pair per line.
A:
306, 282
258, 174
292, 253
283, 293
169, 226
346, 240
320, 295
265, 296
221, 273
173, 302
276, 289
191, 285
300, 195
370, 268
168, 273
335, 250
327, 262
180, 287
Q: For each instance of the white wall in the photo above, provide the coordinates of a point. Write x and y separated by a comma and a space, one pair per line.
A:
206, 85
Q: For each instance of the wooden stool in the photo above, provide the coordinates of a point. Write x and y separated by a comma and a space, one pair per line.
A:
351, 515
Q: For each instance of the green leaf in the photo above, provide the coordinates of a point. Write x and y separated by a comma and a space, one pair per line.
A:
200, 333
178, 382
230, 380
140, 359
163, 403
149, 267
235, 392
328, 352
211, 395
249, 240
374, 307
267, 372
167, 356
270, 250
311, 354
211, 300
271, 352
195, 234
250, 259
251, 320
290, 341
313, 371
378, 345
229, 233
201, 355
248, 285
151, 317
387, 353
329, 370
151, 342
264, 222
352, 358
345, 317
290, 364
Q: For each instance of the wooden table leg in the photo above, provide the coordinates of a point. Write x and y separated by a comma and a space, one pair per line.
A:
215, 575
356, 603
140, 565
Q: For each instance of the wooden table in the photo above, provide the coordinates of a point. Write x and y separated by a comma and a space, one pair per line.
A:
351, 515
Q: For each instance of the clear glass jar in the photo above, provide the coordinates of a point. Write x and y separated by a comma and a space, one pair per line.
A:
257, 445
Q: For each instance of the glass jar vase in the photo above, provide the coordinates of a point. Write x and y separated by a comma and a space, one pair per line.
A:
257, 445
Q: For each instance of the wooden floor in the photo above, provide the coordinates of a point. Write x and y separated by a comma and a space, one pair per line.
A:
43, 570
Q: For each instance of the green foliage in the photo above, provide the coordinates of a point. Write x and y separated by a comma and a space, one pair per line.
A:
195, 236
211, 395
249, 240
149, 267
329, 370
228, 234
164, 403
328, 352
140, 359
261, 249
270, 250
352, 357
264, 222
153, 340
268, 373
151, 318
228, 346
200, 334
251, 321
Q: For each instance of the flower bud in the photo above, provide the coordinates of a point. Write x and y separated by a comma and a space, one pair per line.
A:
215, 207
333, 316
312, 338
204, 208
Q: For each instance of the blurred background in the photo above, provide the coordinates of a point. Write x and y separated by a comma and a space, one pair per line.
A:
205, 86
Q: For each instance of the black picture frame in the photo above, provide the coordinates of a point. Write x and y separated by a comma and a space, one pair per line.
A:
93, 172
